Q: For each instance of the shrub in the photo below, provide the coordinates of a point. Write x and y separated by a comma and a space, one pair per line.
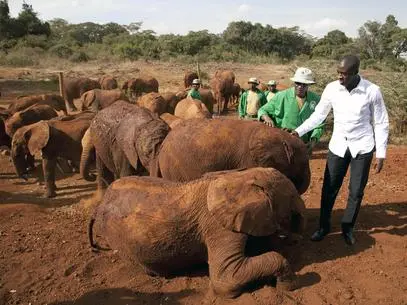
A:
61, 51
79, 56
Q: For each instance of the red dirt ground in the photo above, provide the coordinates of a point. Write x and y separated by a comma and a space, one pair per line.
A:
45, 257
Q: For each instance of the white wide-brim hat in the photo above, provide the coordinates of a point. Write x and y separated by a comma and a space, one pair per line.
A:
196, 81
304, 76
272, 83
253, 80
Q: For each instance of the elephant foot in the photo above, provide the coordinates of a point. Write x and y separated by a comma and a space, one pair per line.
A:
286, 283
50, 194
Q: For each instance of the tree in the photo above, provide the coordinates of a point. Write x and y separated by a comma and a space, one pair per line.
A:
30, 24
380, 40
330, 43
4, 19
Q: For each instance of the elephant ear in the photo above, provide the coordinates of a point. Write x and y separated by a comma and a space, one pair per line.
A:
241, 205
37, 137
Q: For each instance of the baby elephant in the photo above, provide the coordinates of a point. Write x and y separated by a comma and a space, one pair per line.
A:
168, 226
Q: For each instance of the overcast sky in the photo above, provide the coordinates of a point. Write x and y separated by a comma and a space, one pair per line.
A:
180, 16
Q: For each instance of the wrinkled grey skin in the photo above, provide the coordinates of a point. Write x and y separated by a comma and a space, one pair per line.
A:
126, 139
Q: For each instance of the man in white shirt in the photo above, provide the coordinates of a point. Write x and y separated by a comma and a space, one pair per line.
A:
361, 125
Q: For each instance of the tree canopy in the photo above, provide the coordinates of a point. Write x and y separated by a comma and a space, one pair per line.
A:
241, 39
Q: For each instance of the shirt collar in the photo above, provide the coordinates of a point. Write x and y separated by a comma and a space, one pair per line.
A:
362, 86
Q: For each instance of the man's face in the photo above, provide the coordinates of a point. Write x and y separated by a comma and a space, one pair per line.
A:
301, 89
345, 73
272, 87
196, 86
253, 86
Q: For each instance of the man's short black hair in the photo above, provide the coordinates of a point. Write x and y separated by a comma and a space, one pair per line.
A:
352, 62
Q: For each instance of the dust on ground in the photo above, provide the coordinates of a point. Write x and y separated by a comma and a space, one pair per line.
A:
45, 257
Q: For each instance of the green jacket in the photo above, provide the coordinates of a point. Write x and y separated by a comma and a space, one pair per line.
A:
283, 109
195, 94
243, 102
266, 93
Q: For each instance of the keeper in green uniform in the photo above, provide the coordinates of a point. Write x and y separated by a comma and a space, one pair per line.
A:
251, 100
271, 90
289, 108
194, 93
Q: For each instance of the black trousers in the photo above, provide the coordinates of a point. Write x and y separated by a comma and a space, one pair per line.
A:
335, 171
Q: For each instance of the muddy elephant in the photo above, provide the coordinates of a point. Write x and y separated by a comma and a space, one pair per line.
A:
189, 77
201, 146
127, 139
190, 108
31, 115
97, 99
108, 83
172, 100
5, 139
207, 97
75, 87
53, 100
56, 138
222, 86
137, 86
234, 98
154, 102
166, 227
171, 119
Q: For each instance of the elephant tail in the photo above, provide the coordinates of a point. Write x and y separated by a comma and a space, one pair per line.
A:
92, 243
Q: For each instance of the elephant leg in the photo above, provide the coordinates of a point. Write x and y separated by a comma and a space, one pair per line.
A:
231, 270
30, 162
225, 104
104, 176
48, 167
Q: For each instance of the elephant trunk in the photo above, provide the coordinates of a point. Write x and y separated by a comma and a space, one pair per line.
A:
87, 151
20, 164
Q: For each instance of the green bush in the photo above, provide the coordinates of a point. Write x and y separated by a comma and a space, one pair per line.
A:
79, 56
128, 50
61, 50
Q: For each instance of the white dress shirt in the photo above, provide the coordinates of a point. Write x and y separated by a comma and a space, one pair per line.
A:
360, 119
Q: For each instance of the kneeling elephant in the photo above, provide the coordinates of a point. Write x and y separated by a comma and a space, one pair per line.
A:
166, 226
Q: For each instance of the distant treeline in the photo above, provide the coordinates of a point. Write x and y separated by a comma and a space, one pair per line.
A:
28, 36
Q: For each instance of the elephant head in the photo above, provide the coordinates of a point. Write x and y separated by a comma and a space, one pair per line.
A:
257, 203
31, 115
88, 100
28, 141
282, 151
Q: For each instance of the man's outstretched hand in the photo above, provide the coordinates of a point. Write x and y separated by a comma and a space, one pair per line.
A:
294, 133
379, 165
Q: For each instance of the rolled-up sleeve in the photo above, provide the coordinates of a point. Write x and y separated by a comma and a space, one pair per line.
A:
318, 116
381, 124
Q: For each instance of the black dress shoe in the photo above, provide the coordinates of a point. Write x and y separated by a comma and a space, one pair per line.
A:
349, 238
320, 234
